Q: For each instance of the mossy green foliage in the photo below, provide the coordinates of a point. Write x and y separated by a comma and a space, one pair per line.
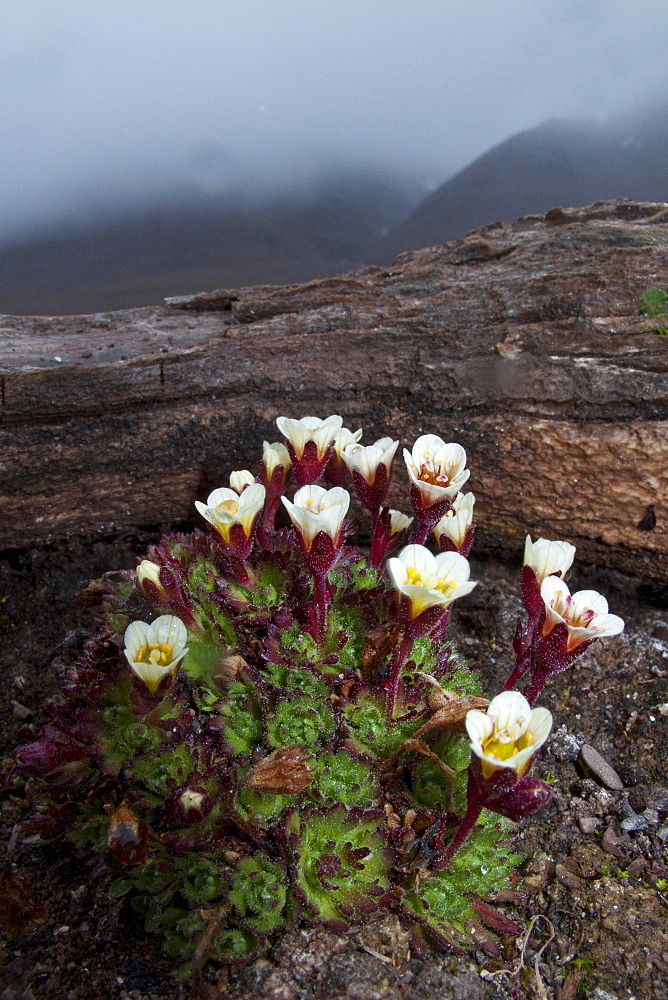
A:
342, 862
430, 786
241, 713
124, 737
160, 773
486, 860
653, 303
300, 720
369, 733
252, 858
344, 778
259, 893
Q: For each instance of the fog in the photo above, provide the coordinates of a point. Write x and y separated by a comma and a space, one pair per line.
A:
108, 103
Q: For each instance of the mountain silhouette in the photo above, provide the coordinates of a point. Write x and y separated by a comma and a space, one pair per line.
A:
191, 241
565, 163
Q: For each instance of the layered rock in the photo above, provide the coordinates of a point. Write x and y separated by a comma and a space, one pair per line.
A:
523, 342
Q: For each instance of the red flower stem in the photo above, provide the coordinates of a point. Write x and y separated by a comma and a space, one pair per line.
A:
379, 541
473, 810
535, 686
422, 533
321, 598
270, 511
401, 654
522, 664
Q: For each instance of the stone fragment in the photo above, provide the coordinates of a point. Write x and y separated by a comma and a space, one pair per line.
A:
20, 711
539, 873
633, 823
569, 878
564, 745
600, 768
649, 796
613, 844
588, 824
637, 866
172, 378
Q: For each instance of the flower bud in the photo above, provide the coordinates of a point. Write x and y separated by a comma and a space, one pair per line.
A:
274, 455
546, 558
241, 479
452, 530
150, 571
193, 804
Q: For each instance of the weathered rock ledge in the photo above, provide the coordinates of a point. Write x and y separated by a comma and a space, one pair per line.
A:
524, 342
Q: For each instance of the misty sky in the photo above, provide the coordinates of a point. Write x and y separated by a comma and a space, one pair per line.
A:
116, 99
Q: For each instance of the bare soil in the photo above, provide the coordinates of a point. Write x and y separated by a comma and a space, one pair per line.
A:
595, 909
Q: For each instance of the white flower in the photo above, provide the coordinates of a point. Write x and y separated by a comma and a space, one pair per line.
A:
428, 580
239, 480
437, 469
508, 734
274, 455
157, 649
457, 521
366, 459
585, 613
147, 570
345, 438
225, 507
398, 522
315, 509
298, 432
545, 557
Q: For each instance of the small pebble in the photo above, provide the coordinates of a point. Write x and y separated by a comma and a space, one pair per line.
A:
19, 710
613, 844
569, 878
565, 745
588, 824
637, 866
600, 768
633, 823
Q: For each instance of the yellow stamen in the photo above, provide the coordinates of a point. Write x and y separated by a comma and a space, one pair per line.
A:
501, 750
158, 653
231, 506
